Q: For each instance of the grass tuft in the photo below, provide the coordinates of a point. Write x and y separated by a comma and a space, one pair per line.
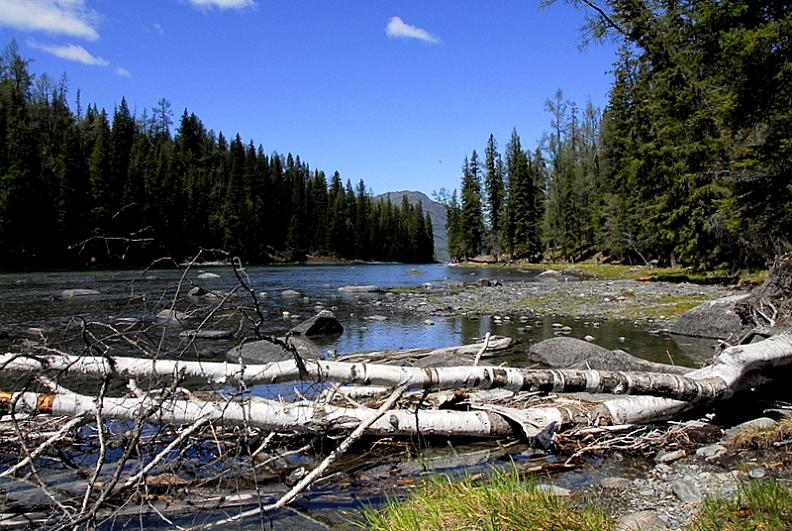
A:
765, 505
761, 439
504, 502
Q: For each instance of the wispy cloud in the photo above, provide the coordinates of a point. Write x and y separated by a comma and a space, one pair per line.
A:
397, 28
123, 72
71, 52
156, 28
61, 17
223, 4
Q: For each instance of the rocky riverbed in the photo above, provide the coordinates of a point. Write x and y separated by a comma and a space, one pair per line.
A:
559, 295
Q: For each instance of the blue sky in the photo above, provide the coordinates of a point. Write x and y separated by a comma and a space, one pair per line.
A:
394, 92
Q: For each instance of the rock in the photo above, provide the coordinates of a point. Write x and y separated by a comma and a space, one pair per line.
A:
662, 468
376, 317
290, 294
713, 451
757, 473
323, 323
369, 288
197, 291
686, 491
762, 423
640, 521
669, 457
589, 338
171, 316
207, 276
572, 353
446, 359
615, 483
35, 331
487, 283
208, 334
714, 319
550, 276
429, 322
266, 352
552, 490
77, 293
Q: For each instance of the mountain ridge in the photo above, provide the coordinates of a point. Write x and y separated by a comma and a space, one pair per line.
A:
437, 213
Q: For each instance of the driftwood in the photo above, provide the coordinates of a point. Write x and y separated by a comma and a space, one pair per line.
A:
733, 370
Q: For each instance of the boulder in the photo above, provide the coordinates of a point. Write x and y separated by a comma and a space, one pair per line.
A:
76, 293
171, 316
550, 276
257, 352
714, 319
290, 294
572, 353
323, 323
196, 291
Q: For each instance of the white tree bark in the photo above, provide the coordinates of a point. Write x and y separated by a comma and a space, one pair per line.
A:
366, 374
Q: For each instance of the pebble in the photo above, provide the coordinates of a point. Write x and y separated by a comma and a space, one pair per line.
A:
685, 491
589, 338
553, 490
713, 451
640, 521
757, 473
429, 322
669, 457
620, 339
615, 483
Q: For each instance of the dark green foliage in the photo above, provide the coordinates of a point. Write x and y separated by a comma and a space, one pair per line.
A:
126, 189
689, 163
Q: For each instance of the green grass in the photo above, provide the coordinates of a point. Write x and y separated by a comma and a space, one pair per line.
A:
504, 502
765, 505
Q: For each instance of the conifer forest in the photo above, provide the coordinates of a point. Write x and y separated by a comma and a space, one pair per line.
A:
81, 186
689, 163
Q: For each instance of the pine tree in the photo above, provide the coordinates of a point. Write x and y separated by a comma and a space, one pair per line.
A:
471, 222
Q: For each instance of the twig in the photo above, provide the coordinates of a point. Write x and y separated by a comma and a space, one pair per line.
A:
319, 470
43, 446
165, 451
483, 348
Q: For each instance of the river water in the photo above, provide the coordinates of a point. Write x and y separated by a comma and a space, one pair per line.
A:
30, 301
30, 306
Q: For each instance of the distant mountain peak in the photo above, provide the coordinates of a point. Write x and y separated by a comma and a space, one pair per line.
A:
437, 213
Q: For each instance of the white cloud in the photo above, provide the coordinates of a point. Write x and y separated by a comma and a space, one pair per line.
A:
223, 4
123, 72
157, 28
63, 17
72, 52
397, 28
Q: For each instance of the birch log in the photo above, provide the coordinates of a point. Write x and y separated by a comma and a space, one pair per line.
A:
366, 374
303, 417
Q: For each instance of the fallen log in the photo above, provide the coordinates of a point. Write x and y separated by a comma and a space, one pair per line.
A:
429, 378
733, 370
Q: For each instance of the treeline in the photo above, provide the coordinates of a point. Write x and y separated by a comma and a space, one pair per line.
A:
77, 186
689, 163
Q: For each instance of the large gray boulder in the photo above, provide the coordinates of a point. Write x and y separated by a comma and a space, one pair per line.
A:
258, 352
323, 323
714, 319
573, 353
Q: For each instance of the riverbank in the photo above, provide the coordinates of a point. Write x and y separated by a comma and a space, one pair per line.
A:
562, 295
